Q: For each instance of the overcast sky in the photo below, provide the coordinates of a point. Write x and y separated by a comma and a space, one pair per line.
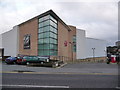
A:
99, 18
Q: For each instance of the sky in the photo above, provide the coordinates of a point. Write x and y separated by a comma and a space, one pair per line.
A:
99, 18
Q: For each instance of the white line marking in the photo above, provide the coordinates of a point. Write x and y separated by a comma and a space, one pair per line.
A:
35, 86
117, 87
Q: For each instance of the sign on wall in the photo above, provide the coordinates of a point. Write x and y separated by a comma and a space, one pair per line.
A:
65, 43
27, 41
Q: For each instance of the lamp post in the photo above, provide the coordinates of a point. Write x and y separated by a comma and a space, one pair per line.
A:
93, 54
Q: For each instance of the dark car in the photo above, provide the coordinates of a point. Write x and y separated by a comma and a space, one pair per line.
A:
35, 59
11, 60
20, 60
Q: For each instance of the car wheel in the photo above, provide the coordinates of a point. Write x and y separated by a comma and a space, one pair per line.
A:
55, 64
41, 62
27, 63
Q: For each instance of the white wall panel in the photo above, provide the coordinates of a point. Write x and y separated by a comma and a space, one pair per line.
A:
81, 44
0, 40
99, 45
10, 42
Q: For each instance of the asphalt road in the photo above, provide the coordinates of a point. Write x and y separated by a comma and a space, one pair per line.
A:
60, 80
80, 75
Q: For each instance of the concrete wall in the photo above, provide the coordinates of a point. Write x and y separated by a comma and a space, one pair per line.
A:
81, 44
99, 45
10, 42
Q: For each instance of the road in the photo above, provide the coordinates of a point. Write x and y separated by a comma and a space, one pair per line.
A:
85, 75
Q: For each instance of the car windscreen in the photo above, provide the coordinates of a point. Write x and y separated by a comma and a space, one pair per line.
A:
11, 58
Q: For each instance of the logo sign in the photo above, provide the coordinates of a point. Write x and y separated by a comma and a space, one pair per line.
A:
27, 41
65, 43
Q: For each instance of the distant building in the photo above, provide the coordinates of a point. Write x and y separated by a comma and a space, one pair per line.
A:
48, 35
118, 43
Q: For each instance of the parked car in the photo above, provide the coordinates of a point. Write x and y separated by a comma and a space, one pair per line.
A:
38, 60
11, 60
20, 60
35, 59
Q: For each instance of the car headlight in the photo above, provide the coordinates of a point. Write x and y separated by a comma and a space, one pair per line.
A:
47, 60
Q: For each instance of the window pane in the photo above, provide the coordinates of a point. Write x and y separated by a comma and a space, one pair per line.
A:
53, 52
45, 23
46, 46
40, 52
53, 24
53, 19
41, 19
40, 35
40, 46
55, 41
40, 41
51, 40
46, 17
53, 29
46, 34
53, 35
40, 30
53, 46
46, 40
46, 52
46, 28
74, 41
40, 24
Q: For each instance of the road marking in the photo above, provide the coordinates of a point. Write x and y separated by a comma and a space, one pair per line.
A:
117, 87
62, 65
67, 73
35, 86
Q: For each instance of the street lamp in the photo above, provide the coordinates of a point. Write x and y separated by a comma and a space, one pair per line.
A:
93, 53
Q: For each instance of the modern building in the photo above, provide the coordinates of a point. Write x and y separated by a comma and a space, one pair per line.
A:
1, 48
48, 35
117, 43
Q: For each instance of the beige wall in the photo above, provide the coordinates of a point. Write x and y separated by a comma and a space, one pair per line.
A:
30, 27
65, 35
62, 37
71, 33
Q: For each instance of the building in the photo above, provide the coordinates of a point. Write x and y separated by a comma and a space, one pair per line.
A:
48, 35
1, 48
117, 43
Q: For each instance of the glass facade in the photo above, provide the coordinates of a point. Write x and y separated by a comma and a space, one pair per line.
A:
74, 43
47, 36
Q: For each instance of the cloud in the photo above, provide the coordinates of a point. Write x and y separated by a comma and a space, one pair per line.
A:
99, 19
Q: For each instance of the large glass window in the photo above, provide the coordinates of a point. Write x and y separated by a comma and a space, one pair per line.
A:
53, 19
44, 18
52, 29
47, 36
40, 41
46, 28
46, 40
74, 43
53, 24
